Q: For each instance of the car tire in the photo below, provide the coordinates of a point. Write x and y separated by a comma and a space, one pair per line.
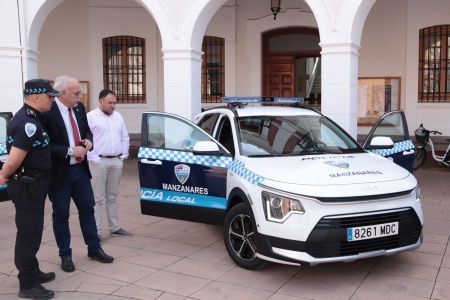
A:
239, 235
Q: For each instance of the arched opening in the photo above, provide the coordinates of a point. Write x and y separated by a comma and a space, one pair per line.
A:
291, 63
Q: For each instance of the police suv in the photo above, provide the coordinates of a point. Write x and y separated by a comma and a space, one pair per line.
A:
287, 184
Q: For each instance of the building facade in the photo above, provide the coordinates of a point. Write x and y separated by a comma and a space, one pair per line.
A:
346, 45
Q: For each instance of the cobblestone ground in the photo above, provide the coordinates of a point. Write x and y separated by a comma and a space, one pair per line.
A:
171, 259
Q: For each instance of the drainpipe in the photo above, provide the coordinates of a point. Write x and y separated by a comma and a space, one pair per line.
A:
23, 40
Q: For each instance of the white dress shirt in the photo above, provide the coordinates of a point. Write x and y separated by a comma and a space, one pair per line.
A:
110, 135
65, 115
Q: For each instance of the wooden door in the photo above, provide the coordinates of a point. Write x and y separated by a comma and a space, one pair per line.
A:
280, 72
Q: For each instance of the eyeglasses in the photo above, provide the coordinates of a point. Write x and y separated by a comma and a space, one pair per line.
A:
76, 94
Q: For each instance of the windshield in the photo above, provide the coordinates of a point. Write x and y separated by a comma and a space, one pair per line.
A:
292, 135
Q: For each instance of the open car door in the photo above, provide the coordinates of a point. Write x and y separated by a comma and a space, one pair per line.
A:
393, 125
182, 170
5, 118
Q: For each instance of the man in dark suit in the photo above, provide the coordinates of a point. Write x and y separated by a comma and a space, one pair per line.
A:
70, 140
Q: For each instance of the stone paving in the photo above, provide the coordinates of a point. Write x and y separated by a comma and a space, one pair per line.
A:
172, 260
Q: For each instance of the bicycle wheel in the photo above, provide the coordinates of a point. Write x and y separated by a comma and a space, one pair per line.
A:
420, 155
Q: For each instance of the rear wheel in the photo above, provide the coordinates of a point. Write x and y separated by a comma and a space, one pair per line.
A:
239, 235
420, 155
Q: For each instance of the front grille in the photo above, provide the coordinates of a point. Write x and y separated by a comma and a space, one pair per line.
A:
364, 198
329, 237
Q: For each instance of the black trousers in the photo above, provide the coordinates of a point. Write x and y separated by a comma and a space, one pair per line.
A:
30, 224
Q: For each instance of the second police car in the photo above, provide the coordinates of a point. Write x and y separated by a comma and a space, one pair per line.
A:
5, 117
287, 184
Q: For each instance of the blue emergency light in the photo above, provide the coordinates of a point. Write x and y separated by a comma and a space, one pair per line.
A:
286, 100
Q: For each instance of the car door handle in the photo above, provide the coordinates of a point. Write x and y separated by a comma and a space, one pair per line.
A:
151, 162
408, 152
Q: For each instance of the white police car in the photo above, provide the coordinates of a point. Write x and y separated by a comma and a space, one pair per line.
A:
287, 183
5, 117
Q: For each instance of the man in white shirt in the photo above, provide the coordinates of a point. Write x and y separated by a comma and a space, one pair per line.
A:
112, 143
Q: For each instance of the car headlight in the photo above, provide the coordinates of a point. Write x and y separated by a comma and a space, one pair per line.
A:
418, 195
278, 208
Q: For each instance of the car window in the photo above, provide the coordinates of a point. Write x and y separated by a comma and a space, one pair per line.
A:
172, 133
391, 126
207, 123
293, 135
4, 120
225, 135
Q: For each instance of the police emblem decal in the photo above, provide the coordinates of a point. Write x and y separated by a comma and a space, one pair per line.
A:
182, 173
339, 164
30, 129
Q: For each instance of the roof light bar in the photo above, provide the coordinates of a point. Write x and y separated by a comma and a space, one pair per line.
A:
287, 100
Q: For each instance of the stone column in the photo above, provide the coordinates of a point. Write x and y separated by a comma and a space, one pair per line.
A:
11, 51
340, 84
182, 83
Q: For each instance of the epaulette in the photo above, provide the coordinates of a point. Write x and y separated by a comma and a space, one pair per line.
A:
31, 113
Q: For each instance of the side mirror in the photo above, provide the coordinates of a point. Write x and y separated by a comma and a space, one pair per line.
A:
381, 142
206, 148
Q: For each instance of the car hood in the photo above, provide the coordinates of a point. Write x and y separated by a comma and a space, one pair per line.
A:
326, 169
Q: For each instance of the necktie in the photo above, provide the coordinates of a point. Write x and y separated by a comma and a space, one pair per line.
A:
76, 134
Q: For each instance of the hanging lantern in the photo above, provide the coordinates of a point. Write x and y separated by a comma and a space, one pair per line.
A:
275, 8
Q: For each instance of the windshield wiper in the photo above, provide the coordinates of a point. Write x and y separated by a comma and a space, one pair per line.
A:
261, 155
304, 153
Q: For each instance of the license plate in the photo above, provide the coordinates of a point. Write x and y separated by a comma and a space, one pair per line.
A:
372, 231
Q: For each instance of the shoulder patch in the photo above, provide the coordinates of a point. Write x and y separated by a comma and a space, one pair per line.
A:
30, 129
31, 113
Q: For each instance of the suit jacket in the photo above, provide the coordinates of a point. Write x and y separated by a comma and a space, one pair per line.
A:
59, 141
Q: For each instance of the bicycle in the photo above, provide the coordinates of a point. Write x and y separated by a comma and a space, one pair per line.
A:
420, 153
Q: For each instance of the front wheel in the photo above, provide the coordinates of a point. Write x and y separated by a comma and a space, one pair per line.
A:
420, 155
239, 235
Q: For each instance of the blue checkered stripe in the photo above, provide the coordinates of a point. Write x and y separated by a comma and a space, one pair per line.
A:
38, 143
185, 157
2, 149
398, 147
238, 167
35, 91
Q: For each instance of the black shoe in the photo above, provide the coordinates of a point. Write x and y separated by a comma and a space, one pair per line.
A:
38, 292
67, 264
101, 256
46, 277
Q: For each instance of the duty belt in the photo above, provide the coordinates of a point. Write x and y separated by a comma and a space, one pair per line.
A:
31, 173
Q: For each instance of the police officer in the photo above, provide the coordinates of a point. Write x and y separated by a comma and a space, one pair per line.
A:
26, 171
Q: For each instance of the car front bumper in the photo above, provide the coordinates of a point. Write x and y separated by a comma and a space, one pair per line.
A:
327, 242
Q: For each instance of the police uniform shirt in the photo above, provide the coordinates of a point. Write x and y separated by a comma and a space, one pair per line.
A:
26, 132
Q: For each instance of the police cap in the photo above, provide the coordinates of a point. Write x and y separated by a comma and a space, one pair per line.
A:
40, 86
